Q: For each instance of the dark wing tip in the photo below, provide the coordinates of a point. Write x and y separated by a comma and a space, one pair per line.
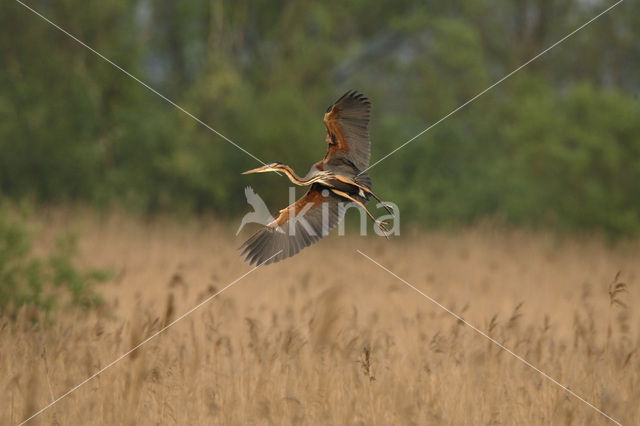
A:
352, 94
263, 247
360, 97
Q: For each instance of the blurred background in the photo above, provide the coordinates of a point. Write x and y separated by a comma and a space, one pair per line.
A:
118, 213
557, 145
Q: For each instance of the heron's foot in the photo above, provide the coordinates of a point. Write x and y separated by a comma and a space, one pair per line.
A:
383, 227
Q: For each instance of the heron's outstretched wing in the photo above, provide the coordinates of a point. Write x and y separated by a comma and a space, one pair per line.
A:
301, 224
347, 123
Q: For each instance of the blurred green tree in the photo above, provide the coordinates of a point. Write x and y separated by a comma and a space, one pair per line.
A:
555, 145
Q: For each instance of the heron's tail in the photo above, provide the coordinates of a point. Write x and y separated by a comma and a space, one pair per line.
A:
365, 181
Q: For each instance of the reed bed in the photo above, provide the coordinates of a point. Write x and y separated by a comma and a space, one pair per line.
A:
329, 338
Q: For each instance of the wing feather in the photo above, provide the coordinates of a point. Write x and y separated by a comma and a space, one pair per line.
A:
298, 226
347, 124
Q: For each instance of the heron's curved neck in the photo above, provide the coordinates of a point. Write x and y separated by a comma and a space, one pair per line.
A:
293, 177
297, 179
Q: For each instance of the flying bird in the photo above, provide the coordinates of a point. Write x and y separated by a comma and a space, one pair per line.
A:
260, 213
333, 181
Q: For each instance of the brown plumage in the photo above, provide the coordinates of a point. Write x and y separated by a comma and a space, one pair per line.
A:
334, 182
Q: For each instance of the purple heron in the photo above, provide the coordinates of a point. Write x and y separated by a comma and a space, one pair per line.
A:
334, 182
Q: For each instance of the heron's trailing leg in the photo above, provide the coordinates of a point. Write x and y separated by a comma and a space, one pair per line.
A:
381, 224
365, 189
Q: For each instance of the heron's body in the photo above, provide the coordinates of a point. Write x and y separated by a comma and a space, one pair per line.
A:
335, 181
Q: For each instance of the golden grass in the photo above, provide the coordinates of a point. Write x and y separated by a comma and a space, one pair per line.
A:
329, 338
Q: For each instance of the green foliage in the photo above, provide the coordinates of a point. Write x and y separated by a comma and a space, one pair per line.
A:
558, 144
46, 282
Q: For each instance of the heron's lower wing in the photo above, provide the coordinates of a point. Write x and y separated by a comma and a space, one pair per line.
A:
301, 224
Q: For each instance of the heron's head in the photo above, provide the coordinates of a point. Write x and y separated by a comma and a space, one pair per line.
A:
271, 167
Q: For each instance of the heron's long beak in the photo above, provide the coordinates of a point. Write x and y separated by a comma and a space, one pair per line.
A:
261, 169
